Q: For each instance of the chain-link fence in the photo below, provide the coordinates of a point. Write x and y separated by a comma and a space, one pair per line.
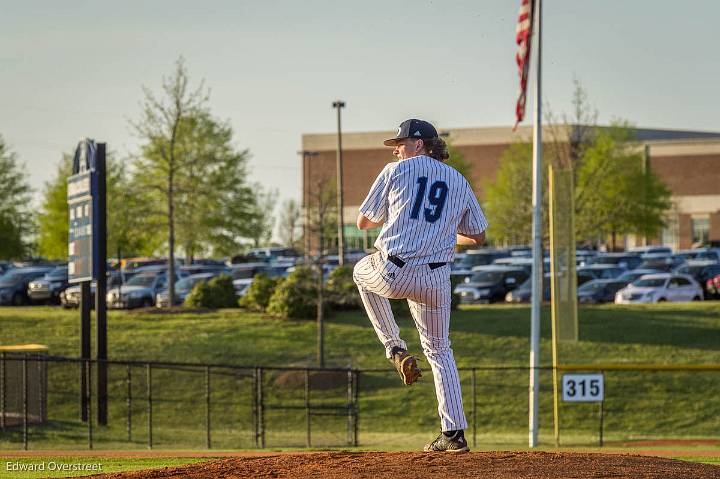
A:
183, 405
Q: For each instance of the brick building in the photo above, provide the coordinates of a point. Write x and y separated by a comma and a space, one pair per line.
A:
687, 161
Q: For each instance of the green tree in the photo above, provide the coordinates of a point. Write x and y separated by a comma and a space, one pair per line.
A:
508, 198
191, 174
15, 218
127, 227
614, 193
162, 161
52, 219
216, 207
289, 223
457, 161
262, 221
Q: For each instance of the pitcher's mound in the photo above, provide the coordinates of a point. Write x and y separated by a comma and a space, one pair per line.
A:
380, 465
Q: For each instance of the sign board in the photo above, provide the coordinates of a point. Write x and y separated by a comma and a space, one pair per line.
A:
82, 215
583, 388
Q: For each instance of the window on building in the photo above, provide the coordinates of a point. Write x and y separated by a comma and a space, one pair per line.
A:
700, 231
670, 234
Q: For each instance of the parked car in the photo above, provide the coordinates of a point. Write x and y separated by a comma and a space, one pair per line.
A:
712, 287
671, 261
602, 271
241, 286
701, 271
70, 297
270, 254
14, 284
199, 268
640, 250
523, 293
478, 257
249, 270
139, 292
129, 265
49, 287
490, 284
629, 276
599, 291
5, 266
183, 288
711, 254
521, 262
622, 260
655, 288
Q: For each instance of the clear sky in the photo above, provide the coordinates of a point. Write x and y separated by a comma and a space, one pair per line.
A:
76, 68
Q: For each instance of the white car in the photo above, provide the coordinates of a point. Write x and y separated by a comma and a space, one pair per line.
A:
655, 288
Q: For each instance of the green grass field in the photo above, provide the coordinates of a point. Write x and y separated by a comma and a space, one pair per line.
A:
638, 404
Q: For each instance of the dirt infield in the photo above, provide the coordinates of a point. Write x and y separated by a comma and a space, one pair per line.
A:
377, 465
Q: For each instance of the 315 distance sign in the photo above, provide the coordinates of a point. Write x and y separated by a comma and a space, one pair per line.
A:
583, 388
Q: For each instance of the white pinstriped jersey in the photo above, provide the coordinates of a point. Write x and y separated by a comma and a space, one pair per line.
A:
423, 203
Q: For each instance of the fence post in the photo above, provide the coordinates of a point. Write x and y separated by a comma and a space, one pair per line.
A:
349, 407
25, 402
308, 438
356, 408
88, 401
148, 368
261, 408
2, 391
41, 387
474, 406
602, 413
129, 402
207, 404
256, 422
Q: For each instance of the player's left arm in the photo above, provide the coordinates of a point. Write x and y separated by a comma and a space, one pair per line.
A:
471, 240
364, 223
472, 226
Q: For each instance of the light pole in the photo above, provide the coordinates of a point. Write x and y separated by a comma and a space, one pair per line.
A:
307, 157
341, 222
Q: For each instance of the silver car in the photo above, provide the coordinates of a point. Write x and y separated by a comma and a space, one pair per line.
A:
139, 292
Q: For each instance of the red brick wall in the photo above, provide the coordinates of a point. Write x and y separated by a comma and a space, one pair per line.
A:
685, 231
715, 226
361, 167
688, 175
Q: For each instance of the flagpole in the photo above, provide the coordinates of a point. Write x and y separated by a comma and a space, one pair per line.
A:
537, 274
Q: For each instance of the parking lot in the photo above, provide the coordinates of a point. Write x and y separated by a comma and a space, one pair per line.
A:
488, 275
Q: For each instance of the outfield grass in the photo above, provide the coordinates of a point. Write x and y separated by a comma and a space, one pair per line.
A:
638, 405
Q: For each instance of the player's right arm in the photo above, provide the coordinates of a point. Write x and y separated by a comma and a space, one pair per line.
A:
373, 211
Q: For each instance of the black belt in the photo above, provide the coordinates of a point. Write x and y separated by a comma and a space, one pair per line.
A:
400, 263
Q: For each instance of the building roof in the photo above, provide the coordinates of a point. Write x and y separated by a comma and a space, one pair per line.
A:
487, 136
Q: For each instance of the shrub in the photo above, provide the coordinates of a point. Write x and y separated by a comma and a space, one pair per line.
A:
342, 292
219, 292
296, 296
258, 294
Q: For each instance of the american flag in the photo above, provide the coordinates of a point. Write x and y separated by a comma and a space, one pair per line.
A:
522, 57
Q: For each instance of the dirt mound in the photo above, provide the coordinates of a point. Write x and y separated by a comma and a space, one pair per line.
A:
377, 465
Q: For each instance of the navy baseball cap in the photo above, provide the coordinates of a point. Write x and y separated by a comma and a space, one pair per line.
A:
413, 128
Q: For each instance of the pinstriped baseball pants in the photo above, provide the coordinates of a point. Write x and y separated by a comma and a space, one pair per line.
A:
429, 296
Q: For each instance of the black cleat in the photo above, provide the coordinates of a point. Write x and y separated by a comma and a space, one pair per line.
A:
455, 443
